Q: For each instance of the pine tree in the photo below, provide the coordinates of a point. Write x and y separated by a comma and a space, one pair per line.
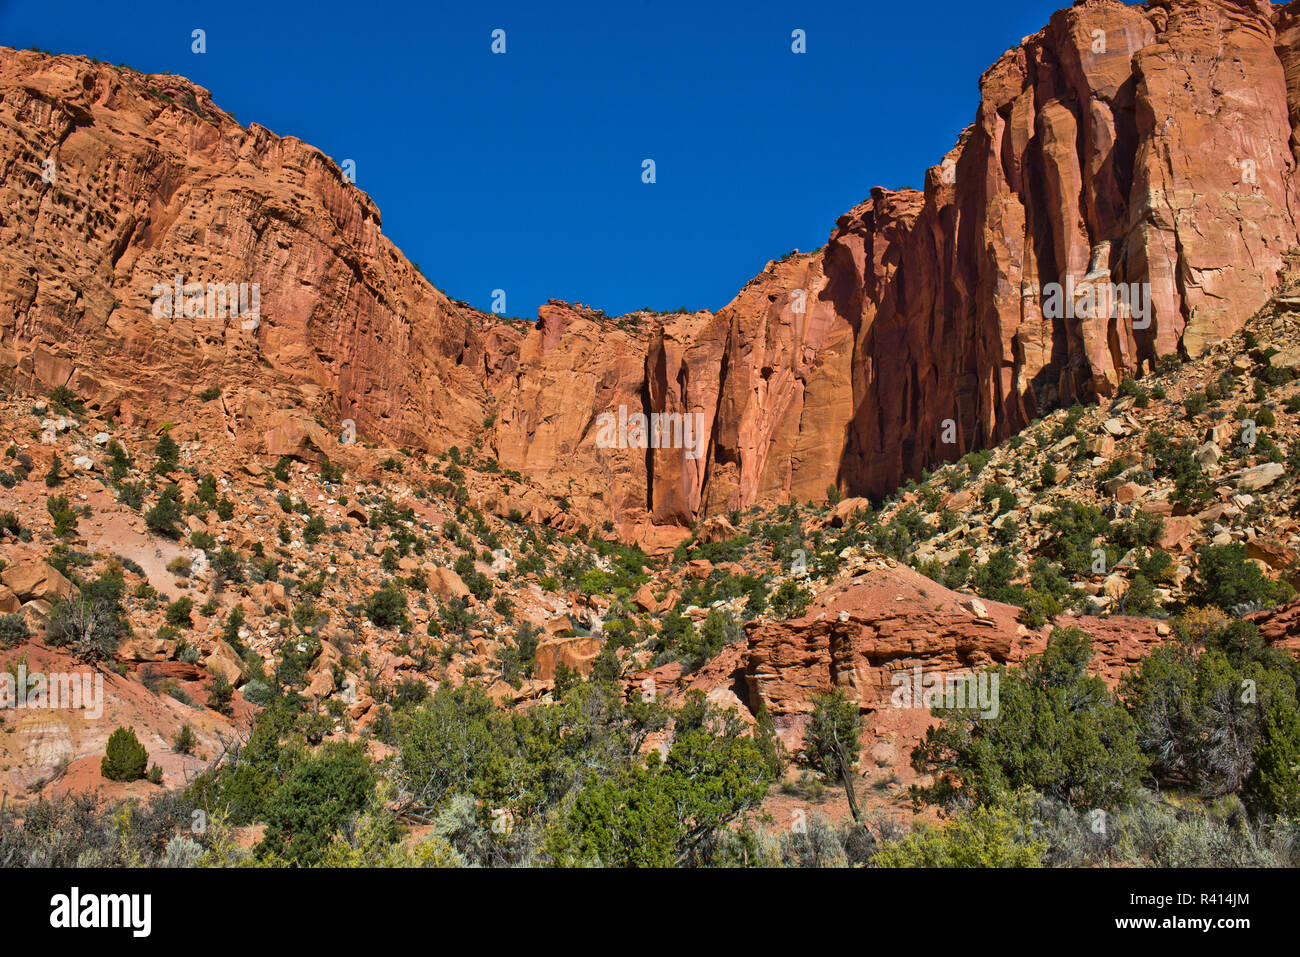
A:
125, 758
168, 453
162, 518
1274, 786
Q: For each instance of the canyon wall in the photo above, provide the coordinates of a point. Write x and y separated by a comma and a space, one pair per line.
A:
112, 183
1152, 145
1120, 145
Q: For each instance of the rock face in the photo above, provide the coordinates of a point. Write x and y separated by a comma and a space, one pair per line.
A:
883, 630
1280, 626
146, 179
887, 620
576, 652
1150, 148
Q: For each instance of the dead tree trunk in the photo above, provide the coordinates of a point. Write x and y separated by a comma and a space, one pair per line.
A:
846, 775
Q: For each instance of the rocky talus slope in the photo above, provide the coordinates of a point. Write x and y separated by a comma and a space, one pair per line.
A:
383, 574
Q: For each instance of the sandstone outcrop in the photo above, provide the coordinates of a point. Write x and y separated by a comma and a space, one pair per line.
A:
577, 652
887, 620
37, 580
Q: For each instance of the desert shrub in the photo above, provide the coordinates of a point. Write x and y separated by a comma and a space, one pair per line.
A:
977, 460
1177, 461
64, 516
983, 836
1227, 579
386, 608
790, 599
319, 795
993, 578
92, 623
698, 646
166, 513
667, 812
1006, 532
818, 844
1075, 527
1273, 786
1069, 423
1057, 730
955, 574
1038, 608
125, 758
119, 461
55, 475
226, 565
185, 740
179, 611
313, 530
181, 851
207, 490
999, 493
1142, 529
518, 658
1201, 717
168, 454
1155, 565
13, 630
220, 694
132, 494
1140, 598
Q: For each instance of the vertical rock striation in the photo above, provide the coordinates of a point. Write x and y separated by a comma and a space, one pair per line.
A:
1151, 147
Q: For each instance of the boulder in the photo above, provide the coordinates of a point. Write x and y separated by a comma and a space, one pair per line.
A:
645, 599
445, 583
147, 649
1208, 455
574, 652
715, 529
846, 508
559, 627
1261, 476
222, 660
1129, 492
37, 580
699, 568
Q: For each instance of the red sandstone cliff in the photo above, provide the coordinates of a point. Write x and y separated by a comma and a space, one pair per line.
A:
150, 180
1120, 144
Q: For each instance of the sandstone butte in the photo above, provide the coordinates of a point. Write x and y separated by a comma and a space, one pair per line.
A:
1154, 144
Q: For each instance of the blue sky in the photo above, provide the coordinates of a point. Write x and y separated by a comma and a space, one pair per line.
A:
522, 171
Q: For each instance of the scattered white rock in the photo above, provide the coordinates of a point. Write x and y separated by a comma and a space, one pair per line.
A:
1261, 476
